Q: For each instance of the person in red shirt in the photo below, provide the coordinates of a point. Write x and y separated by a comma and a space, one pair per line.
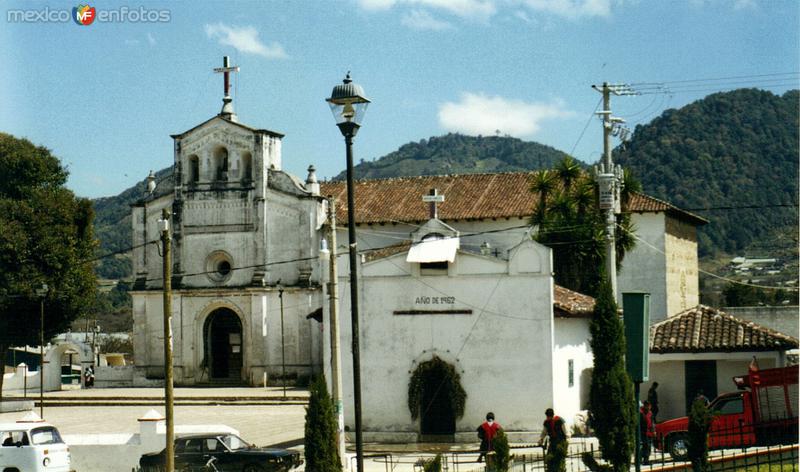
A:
486, 432
647, 430
554, 429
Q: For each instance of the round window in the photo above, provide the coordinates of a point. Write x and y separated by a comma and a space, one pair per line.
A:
224, 268
219, 266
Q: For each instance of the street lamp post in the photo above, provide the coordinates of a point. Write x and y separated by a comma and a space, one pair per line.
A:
348, 105
163, 226
42, 292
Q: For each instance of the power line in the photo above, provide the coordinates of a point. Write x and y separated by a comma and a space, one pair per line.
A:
639, 84
586, 126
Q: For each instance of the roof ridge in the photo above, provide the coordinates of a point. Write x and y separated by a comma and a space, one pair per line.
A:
420, 177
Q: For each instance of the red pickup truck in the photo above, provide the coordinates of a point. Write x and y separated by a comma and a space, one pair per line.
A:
762, 412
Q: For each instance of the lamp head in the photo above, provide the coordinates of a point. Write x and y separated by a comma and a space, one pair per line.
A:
348, 103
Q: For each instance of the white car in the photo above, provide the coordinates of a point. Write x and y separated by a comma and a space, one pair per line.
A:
32, 447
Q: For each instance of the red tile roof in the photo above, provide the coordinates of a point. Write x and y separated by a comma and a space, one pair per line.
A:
706, 329
570, 304
467, 197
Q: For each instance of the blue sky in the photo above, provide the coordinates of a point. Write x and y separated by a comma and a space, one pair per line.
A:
106, 97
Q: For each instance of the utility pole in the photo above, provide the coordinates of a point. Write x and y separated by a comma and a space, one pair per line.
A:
283, 343
163, 223
42, 293
336, 359
609, 178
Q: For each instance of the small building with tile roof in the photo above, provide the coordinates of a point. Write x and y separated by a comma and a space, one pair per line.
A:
702, 349
495, 210
519, 343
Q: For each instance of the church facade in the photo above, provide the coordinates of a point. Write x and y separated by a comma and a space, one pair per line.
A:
245, 248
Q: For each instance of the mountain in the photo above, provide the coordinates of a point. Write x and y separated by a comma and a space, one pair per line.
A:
726, 151
112, 227
459, 154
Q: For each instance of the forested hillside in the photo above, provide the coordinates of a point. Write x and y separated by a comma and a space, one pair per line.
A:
460, 154
726, 152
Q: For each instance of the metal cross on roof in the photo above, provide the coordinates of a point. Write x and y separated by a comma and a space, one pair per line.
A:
226, 69
433, 198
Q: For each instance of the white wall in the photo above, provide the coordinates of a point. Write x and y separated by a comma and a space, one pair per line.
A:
571, 337
503, 349
644, 268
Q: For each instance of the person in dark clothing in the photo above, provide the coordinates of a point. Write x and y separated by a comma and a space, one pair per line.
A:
486, 432
652, 397
555, 431
647, 431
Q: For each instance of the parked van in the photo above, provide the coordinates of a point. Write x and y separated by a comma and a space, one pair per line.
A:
32, 447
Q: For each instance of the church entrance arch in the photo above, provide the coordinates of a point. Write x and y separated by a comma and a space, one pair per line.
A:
437, 397
222, 345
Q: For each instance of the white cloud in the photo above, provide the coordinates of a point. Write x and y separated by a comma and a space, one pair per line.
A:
461, 8
572, 8
422, 20
244, 39
482, 114
376, 4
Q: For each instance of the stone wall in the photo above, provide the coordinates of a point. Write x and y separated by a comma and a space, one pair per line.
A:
683, 289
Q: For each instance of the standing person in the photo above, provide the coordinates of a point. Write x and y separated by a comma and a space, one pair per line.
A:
486, 432
89, 377
555, 430
652, 397
647, 430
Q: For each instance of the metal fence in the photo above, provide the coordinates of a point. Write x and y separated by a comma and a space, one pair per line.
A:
530, 458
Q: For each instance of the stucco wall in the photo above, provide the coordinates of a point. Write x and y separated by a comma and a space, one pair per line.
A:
683, 290
644, 268
502, 348
571, 343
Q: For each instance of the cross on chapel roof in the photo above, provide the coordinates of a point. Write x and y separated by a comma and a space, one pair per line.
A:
433, 198
227, 105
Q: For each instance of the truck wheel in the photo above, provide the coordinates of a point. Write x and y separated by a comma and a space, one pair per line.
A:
678, 447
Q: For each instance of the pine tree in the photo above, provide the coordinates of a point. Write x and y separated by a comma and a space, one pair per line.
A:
699, 422
321, 452
611, 394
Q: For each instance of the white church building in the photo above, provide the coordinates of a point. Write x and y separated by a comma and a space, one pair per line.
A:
245, 247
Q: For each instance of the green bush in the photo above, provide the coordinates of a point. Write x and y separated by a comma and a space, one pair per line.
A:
699, 422
321, 451
432, 465
501, 459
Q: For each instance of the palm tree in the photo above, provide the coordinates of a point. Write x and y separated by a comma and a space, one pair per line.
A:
571, 224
